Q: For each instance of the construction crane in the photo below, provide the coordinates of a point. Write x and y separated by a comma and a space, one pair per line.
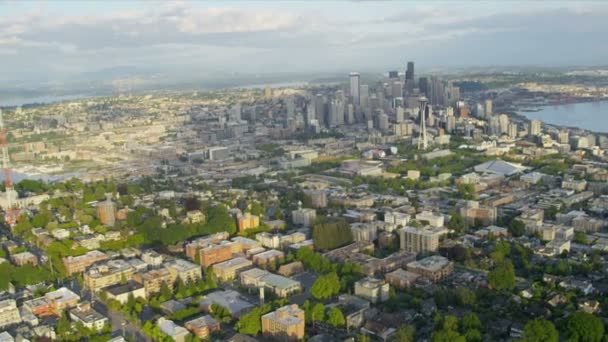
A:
10, 212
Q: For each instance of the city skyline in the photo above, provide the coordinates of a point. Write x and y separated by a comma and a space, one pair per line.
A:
258, 38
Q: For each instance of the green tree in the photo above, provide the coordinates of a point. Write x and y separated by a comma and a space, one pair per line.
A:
405, 333
336, 317
251, 322
471, 321
581, 238
457, 223
583, 327
63, 326
473, 335
517, 228
325, 286
331, 235
502, 277
540, 330
318, 313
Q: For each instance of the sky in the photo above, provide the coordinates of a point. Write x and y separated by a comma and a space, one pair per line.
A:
55, 40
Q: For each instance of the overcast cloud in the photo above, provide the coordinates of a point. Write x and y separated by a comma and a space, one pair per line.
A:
58, 39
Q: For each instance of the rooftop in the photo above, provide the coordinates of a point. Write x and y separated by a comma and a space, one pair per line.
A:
234, 262
432, 263
202, 321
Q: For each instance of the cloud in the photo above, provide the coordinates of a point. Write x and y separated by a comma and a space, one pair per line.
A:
297, 36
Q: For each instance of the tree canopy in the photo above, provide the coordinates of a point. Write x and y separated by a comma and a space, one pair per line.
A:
540, 330
584, 327
502, 277
330, 235
326, 286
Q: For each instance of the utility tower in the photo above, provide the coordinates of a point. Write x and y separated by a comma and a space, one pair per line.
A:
422, 143
10, 212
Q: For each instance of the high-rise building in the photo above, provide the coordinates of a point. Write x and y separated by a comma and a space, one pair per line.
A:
423, 86
383, 122
364, 100
419, 240
399, 114
436, 92
534, 128
397, 89
450, 123
409, 72
355, 87
512, 130
320, 108
487, 108
503, 119
350, 113
393, 74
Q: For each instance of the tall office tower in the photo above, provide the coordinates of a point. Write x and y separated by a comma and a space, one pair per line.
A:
423, 101
423, 86
319, 108
487, 108
503, 119
350, 114
393, 74
397, 89
534, 128
355, 87
333, 116
399, 114
409, 72
512, 130
364, 100
374, 104
436, 91
383, 122
450, 123
451, 94
339, 117
494, 125
309, 114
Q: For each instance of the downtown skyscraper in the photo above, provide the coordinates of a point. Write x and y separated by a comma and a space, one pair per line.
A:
355, 87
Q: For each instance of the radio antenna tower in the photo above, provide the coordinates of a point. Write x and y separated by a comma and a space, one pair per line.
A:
422, 138
10, 212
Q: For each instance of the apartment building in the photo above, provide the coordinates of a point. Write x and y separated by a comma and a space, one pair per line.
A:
372, 289
109, 273
9, 314
79, 264
284, 324
227, 270
153, 280
184, 270
433, 268
418, 240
